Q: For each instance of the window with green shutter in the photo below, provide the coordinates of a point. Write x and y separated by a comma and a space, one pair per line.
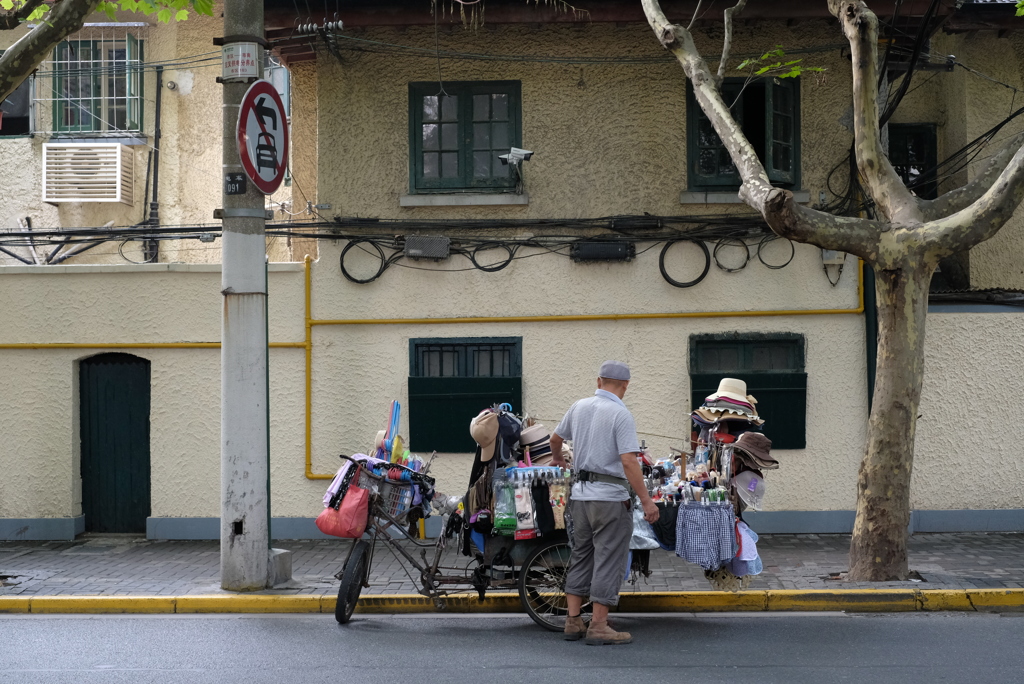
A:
451, 380
772, 365
768, 112
455, 136
97, 86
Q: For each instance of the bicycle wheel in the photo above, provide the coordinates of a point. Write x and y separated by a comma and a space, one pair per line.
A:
352, 582
542, 585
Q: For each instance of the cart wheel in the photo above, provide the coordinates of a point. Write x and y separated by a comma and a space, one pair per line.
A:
352, 582
542, 585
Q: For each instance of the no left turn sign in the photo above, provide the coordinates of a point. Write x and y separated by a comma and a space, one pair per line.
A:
263, 136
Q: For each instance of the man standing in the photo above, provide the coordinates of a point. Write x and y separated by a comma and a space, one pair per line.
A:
605, 448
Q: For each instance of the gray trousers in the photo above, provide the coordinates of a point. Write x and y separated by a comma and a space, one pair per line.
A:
601, 534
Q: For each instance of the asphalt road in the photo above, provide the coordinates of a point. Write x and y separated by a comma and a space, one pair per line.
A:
819, 648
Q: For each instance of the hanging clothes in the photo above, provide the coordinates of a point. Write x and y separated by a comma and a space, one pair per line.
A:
705, 534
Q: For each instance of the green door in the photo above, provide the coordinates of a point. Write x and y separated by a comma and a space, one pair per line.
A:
115, 442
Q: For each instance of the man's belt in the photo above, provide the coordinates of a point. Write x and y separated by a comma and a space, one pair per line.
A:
587, 476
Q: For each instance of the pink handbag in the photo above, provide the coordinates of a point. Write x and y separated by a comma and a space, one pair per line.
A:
350, 518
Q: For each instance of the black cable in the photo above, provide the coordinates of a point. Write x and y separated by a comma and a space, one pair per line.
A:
383, 261
725, 241
772, 238
493, 268
689, 283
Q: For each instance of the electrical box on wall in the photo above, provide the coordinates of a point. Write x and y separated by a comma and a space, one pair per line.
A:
427, 247
602, 250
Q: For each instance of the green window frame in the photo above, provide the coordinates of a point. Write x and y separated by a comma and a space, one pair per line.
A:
768, 111
455, 139
913, 151
98, 86
772, 365
451, 380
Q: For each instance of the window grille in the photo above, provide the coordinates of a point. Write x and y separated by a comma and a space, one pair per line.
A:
93, 83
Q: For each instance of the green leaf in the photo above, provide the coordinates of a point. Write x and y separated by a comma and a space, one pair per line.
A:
130, 5
181, 15
1020, 8
146, 8
7, 5
164, 15
108, 8
38, 13
206, 7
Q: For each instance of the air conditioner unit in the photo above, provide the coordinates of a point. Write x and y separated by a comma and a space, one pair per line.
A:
88, 172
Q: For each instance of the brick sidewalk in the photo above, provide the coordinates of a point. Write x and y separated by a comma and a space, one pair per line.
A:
123, 566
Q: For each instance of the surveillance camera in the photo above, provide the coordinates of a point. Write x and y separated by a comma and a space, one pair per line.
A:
515, 156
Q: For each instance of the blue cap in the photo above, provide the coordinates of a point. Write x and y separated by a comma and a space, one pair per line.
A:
614, 370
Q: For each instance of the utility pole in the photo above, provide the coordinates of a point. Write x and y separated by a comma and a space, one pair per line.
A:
244, 520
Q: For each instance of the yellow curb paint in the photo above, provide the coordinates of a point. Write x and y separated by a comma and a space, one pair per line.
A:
944, 599
415, 603
851, 600
997, 599
692, 601
249, 603
101, 604
14, 604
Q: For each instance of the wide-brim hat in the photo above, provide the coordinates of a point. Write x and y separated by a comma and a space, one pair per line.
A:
750, 488
705, 415
537, 439
731, 388
758, 447
484, 429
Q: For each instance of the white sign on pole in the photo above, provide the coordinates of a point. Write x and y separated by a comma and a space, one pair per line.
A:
240, 60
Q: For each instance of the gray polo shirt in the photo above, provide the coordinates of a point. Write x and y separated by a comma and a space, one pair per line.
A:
601, 429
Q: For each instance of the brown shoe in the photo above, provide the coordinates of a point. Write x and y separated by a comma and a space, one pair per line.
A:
575, 629
600, 633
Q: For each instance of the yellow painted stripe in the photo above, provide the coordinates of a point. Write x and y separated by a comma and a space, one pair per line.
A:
853, 600
102, 604
414, 603
249, 603
692, 601
945, 599
996, 599
14, 604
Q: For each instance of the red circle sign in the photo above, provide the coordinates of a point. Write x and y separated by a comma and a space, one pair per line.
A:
263, 136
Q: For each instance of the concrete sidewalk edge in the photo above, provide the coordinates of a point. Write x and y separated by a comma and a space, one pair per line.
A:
850, 600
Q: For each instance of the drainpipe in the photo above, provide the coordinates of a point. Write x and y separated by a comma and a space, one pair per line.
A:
151, 247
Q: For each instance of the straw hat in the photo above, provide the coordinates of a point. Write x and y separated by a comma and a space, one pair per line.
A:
731, 388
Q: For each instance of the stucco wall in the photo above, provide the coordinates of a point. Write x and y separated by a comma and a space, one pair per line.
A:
609, 138
971, 421
358, 369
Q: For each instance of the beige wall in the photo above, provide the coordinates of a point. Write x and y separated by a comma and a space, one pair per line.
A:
358, 369
609, 139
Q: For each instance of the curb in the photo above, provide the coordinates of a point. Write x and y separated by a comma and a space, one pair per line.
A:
849, 600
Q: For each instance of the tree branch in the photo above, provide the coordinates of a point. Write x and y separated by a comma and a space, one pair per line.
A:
860, 25
12, 20
982, 219
727, 40
786, 217
796, 222
964, 196
22, 58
